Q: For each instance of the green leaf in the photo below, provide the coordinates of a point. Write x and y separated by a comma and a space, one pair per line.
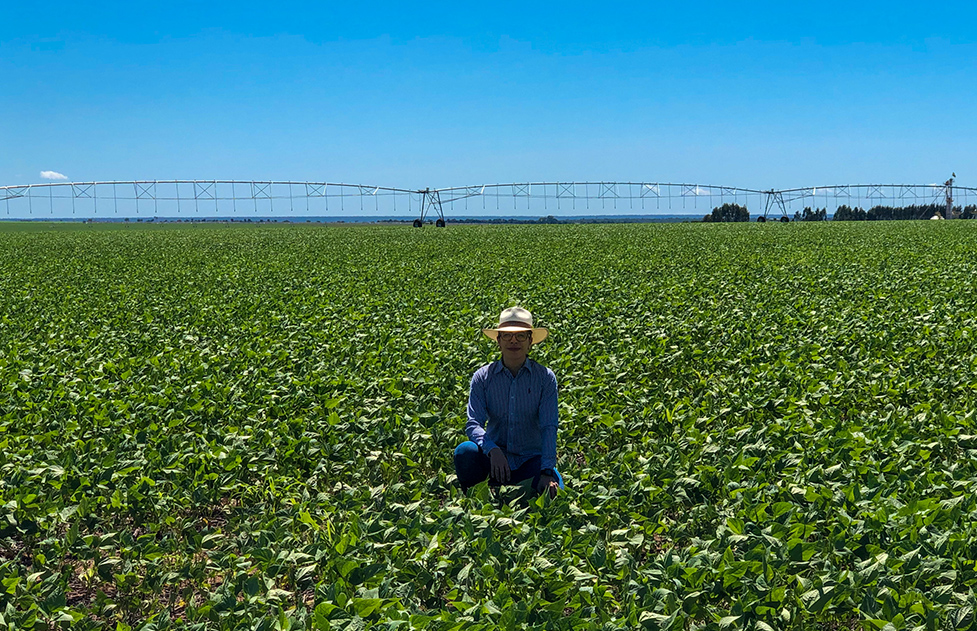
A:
363, 607
363, 574
599, 555
346, 566
963, 617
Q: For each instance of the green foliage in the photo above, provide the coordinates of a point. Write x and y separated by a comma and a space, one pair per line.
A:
923, 211
847, 213
728, 213
886, 213
231, 427
814, 214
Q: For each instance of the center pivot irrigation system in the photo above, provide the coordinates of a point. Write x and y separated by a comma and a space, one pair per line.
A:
240, 200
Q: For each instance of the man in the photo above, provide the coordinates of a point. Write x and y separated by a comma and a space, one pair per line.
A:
512, 413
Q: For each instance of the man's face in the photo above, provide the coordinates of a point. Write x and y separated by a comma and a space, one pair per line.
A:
515, 345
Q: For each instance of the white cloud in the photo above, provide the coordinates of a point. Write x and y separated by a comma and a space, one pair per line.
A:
53, 175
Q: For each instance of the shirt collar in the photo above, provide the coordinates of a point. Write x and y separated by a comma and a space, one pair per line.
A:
528, 366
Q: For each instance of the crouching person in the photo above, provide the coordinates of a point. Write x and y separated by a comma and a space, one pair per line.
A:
512, 413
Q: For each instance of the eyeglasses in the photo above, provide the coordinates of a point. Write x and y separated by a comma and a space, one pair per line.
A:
521, 336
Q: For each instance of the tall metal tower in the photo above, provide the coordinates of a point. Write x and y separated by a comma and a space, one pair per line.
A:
430, 200
949, 196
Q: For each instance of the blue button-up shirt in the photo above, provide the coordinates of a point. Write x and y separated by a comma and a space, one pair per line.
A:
517, 414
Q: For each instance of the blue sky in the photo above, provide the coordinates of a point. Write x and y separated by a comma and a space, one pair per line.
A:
746, 94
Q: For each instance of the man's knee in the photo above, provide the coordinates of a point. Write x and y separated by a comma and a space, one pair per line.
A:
466, 450
471, 466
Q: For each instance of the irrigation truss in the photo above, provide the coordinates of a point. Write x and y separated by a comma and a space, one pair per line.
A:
248, 199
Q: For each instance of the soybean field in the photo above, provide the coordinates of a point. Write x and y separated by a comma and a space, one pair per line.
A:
762, 426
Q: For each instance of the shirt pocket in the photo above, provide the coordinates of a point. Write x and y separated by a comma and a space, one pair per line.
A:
527, 402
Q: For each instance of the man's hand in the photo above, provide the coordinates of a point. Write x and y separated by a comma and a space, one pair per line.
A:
499, 466
548, 483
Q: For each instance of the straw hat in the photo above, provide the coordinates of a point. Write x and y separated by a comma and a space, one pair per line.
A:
517, 319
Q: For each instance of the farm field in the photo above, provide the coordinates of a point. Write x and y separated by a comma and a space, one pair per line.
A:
220, 427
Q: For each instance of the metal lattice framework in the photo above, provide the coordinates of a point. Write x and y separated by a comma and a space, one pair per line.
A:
246, 199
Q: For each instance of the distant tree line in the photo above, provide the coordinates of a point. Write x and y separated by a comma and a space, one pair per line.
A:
728, 212
735, 212
506, 220
809, 214
885, 213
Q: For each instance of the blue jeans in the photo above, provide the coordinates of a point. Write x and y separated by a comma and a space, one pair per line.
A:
472, 466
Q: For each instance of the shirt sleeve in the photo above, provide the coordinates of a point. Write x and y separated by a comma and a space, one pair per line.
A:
549, 420
478, 414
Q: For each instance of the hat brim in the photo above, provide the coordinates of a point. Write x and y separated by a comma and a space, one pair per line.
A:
539, 333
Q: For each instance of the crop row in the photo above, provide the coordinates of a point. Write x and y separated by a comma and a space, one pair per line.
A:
762, 427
